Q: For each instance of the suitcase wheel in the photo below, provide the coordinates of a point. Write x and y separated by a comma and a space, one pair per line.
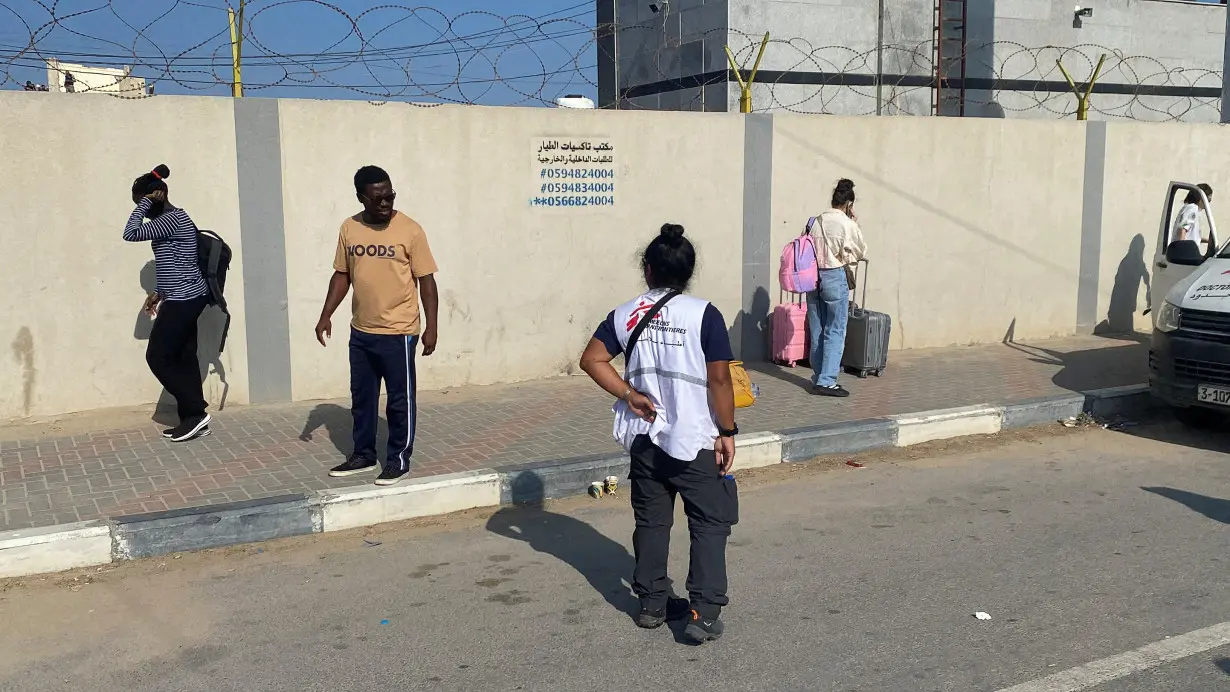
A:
862, 374
879, 372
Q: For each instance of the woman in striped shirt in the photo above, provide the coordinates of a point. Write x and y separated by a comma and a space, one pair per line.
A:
181, 296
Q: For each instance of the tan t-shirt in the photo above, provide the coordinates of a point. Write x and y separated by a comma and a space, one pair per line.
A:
384, 264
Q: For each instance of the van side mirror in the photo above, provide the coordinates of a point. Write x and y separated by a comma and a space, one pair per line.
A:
1185, 252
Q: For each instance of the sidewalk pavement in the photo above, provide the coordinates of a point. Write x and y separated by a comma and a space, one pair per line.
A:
265, 451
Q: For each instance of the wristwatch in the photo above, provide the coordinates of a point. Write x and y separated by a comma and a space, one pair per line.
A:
728, 433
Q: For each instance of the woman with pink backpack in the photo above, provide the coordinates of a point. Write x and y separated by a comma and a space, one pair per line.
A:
839, 247
819, 264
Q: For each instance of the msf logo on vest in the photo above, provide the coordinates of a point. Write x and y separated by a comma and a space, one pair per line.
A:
385, 251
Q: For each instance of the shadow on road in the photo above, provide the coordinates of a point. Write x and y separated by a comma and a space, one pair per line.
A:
604, 563
1224, 665
1161, 426
1214, 508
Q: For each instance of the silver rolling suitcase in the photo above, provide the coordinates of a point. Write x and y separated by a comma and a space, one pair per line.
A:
867, 335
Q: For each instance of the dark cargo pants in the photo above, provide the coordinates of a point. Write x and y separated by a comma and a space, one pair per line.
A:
711, 503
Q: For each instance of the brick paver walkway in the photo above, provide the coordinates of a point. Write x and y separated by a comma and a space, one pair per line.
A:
265, 451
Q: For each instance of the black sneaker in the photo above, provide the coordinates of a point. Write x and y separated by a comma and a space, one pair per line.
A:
189, 429
391, 476
676, 609
352, 466
700, 630
204, 432
835, 390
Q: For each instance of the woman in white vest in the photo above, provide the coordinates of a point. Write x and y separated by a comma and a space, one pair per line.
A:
676, 418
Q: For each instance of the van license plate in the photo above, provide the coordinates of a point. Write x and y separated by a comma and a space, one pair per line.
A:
1213, 395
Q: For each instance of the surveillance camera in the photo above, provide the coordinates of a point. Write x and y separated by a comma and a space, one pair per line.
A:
653, 7
1085, 12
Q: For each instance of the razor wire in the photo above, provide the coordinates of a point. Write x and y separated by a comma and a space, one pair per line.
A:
1023, 81
421, 55
386, 52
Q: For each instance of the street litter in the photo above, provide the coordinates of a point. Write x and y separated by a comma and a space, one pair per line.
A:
982, 616
596, 490
1084, 420
384, 622
370, 543
855, 464
612, 484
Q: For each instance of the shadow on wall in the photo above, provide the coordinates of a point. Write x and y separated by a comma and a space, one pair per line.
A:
338, 423
603, 562
858, 170
1214, 508
1132, 272
749, 333
209, 341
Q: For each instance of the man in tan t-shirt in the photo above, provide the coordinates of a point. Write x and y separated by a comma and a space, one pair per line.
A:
384, 255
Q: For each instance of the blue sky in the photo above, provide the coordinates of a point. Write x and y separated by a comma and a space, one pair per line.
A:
474, 51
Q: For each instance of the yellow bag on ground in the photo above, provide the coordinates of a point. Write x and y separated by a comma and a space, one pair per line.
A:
745, 393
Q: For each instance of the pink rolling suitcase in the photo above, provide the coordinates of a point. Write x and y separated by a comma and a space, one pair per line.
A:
789, 332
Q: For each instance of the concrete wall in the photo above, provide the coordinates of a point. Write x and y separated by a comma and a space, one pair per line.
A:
978, 229
1148, 42
684, 41
522, 288
1151, 44
72, 287
965, 241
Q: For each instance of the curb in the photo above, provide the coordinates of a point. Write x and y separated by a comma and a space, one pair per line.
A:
71, 546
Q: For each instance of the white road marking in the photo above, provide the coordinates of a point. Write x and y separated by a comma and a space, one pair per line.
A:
1125, 664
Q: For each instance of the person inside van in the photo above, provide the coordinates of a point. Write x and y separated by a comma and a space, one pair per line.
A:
676, 418
839, 247
1187, 225
178, 302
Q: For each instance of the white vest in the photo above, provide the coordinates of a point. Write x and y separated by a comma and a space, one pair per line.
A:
668, 366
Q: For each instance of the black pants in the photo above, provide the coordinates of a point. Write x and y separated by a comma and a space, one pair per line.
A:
711, 503
388, 357
171, 354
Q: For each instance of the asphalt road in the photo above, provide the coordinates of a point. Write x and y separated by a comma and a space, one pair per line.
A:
1081, 545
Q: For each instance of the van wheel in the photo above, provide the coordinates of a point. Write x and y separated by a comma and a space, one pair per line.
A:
1199, 418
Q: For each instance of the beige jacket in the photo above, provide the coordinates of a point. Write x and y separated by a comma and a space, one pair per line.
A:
839, 240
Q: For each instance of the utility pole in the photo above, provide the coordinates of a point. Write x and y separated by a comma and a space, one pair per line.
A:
1225, 73
236, 23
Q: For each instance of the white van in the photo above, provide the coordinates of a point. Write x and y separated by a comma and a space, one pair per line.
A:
1189, 361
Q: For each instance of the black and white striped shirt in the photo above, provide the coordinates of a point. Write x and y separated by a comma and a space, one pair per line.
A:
173, 235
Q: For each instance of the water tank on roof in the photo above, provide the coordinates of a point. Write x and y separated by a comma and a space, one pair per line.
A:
574, 101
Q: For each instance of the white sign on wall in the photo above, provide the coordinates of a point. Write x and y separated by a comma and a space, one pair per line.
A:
571, 173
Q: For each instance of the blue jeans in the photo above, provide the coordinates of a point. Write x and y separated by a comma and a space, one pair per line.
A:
388, 358
828, 310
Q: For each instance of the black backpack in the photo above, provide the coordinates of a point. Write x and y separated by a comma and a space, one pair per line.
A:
214, 257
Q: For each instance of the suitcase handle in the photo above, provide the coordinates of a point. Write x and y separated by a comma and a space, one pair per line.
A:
866, 271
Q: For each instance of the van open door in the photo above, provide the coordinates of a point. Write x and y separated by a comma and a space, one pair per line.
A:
1166, 273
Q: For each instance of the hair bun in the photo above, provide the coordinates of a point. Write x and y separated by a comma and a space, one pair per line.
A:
845, 184
162, 171
672, 231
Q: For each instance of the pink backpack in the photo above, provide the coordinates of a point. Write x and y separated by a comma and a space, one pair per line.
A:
799, 272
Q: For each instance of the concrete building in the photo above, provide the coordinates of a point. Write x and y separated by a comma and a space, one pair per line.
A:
80, 79
863, 57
